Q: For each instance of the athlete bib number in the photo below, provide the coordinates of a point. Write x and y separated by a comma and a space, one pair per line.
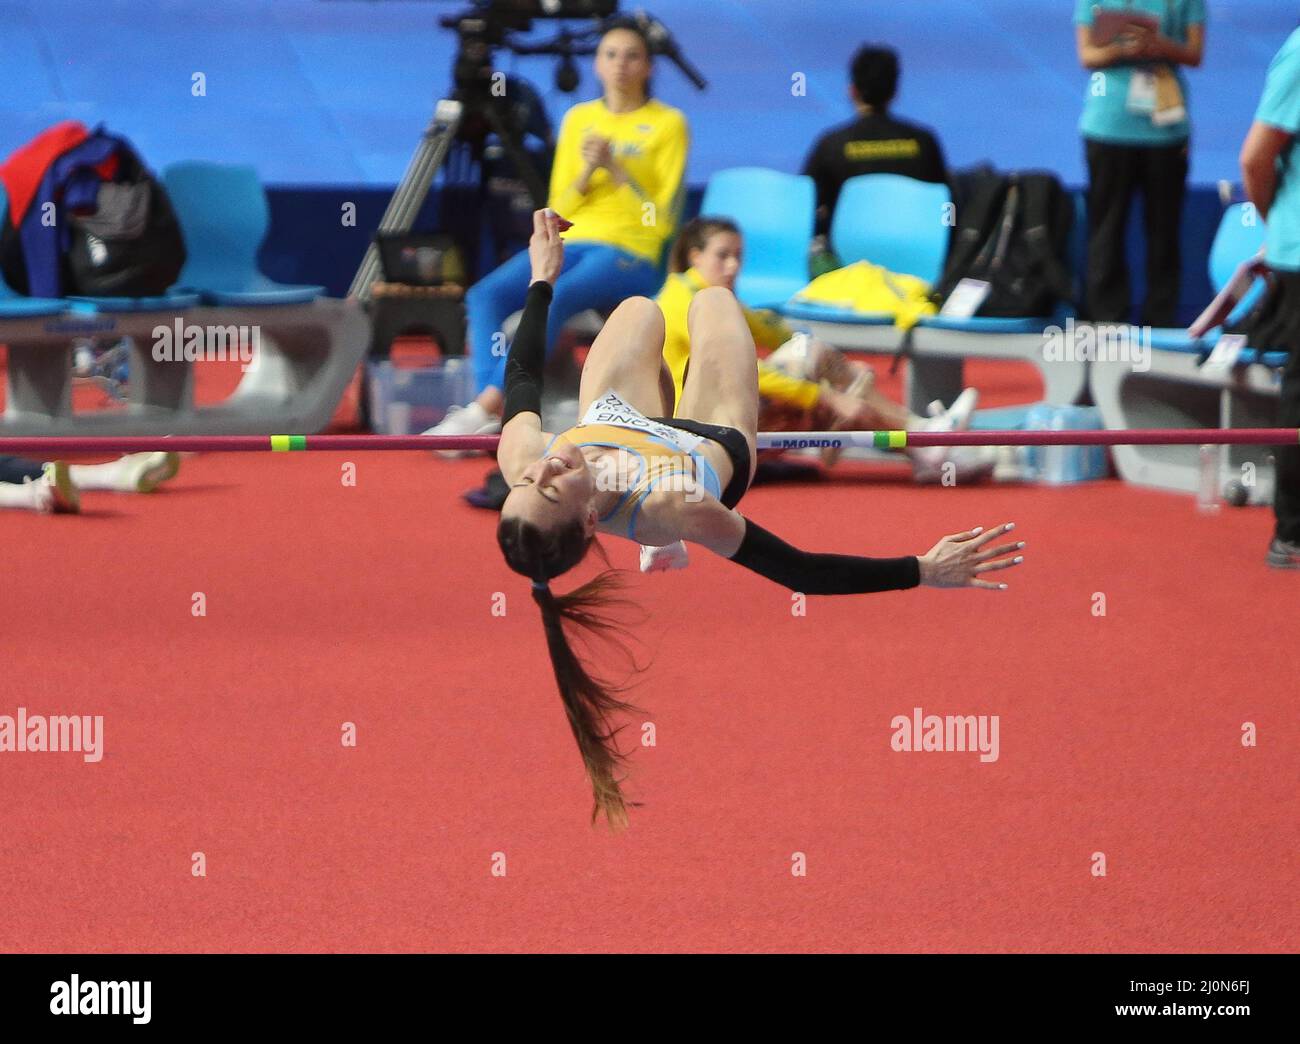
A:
610, 409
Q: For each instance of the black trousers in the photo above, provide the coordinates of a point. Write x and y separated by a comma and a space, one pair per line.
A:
1116, 173
15, 469
1286, 497
1274, 324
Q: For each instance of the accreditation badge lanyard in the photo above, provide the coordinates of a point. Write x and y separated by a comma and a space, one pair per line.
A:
1153, 89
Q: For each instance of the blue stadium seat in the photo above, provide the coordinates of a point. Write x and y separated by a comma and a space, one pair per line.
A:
12, 304
993, 324
1240, 235
224, 216
173, 299
15, 306
775, 215
892, 221
887, 220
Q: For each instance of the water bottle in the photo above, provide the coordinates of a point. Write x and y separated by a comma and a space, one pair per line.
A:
1207, 489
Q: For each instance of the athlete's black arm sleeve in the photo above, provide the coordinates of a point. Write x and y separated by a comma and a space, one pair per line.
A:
770, 556
528, 355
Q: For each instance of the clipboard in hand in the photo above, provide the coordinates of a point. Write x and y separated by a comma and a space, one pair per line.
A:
1109, 25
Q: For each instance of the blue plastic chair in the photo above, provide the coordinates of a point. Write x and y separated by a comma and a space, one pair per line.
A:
888, 220
224, 216
892, 221
14, 305
775, 215
1234, 242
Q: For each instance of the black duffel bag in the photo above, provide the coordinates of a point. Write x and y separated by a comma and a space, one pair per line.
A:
1013, 232
131, 246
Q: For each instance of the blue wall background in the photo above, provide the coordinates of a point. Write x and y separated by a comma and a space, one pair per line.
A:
332, 95
338, 91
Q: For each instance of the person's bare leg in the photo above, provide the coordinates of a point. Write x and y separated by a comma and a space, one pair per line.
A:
722, 382
628, 357
830, 364
882, 414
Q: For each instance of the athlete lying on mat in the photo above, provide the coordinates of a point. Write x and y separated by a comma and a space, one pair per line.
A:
632, 469
55, 487
804, 384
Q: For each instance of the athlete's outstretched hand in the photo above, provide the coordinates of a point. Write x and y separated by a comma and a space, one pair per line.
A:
545, 248
961, 559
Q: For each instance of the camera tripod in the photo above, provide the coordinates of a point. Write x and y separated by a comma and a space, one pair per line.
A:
453, 118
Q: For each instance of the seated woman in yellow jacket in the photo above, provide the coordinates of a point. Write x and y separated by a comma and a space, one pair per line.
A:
617, 176
804, 384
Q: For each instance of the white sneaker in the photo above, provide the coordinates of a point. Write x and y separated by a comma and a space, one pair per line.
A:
928, 460
1011, 465
145, 472
661, 559
465, 420
959, 413
54, 492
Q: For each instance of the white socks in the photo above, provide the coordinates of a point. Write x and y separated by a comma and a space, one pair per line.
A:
115, 475
20, 495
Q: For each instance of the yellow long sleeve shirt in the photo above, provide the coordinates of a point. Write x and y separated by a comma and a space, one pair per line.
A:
650, 144
768, 329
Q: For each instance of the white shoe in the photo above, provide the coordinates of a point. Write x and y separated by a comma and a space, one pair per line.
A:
465, 420
1011, 465
54, 492
145, 472
929, 459
959, 413
661, 559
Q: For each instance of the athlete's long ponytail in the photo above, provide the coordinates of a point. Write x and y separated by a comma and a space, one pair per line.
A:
589, 702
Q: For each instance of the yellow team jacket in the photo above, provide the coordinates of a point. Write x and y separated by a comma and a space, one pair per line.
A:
864, 287
769, 331
650, 143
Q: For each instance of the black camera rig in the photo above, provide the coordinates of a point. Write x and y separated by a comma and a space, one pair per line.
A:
477, 105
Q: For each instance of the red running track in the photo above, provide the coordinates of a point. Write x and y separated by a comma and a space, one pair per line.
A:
329, 604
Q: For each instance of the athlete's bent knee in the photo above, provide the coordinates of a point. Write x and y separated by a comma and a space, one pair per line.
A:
638, 305
713, 298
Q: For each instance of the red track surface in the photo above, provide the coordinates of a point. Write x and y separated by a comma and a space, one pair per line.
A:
328, 604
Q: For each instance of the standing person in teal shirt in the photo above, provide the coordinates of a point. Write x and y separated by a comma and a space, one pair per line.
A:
1272, 179
1135, 130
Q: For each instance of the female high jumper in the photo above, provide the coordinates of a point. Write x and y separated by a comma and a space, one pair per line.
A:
631, 469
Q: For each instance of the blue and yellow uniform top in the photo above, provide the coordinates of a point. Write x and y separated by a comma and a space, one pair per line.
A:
650, 144
659, 457
768, 328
